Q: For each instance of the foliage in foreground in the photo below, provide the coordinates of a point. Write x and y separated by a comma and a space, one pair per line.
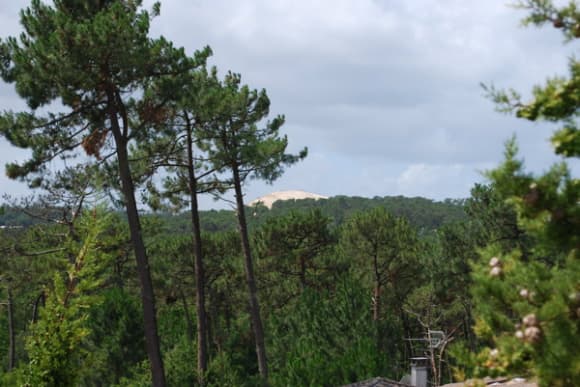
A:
54, 343
528, 299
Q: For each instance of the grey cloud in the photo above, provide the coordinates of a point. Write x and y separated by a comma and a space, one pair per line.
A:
384, 92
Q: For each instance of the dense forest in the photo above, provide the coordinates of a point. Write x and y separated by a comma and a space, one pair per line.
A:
352, 286
425, 214
113, 276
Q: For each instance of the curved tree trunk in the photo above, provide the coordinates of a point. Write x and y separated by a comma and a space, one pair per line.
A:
152, 343
250, 278
198, 263
36, 307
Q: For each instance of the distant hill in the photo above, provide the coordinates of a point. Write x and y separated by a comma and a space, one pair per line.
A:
270, 199
426, 214
423, 213
11, 216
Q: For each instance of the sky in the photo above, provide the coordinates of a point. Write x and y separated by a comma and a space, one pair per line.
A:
386, 95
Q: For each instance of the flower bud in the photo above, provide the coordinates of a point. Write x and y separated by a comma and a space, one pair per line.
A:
532, 334
495, 271
530, 320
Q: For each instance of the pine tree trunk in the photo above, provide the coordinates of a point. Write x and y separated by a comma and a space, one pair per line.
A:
11, 333
36, 307
467, 324
250, 278
190, 329
377, 302
406, 332
152, 343
302, 273
198, 264
377, 290
211, 323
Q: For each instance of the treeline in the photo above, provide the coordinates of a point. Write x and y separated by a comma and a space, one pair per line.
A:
338, 301
425, 214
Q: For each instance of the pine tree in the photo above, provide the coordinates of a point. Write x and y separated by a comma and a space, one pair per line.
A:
177, 148
292, 243
557, 100
89, 62
54, 343
237, 145
527, 306
528, 302
386, 248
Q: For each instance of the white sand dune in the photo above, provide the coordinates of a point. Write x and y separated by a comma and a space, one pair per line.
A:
269, 199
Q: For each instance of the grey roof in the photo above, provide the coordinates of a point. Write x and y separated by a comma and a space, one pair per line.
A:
507, 382
377, 382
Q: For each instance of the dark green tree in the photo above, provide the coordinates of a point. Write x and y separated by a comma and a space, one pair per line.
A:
557, 100
327, 338
236, 144
292, 242
54, 344
29, 258
492, 220
385, 247
89, 62
177, 148
528, 303
7, 241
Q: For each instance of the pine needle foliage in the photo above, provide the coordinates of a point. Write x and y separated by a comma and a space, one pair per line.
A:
528, 301
55, 342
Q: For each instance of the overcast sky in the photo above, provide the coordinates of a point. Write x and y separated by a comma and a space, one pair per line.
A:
384, 93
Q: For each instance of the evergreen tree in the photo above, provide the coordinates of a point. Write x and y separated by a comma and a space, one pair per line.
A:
292, 243
237, 145
528, 302
385, 247
557, 100
527, 305
178, 149
54, 342
94, 59
327, 338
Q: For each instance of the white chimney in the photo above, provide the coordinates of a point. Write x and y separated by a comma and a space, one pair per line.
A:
419, 371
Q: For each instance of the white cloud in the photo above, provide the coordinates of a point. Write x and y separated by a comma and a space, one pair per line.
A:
433, 180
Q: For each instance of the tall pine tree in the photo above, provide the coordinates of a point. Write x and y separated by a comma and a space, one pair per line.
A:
528, 302
238, 146
88, 63
177, 148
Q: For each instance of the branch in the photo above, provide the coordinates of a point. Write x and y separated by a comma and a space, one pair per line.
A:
39, 253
